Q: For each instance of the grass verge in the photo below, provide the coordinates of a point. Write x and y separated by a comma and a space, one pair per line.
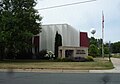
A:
116, 56
98, 64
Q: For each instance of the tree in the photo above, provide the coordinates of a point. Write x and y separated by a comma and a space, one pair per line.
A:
58, 42
106, 50
115, 47
19, 22
93, 50
96, 42
93, 41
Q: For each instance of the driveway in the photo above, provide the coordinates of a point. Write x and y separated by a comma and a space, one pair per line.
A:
116, 64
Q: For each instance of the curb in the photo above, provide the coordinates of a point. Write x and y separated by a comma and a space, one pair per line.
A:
44, 70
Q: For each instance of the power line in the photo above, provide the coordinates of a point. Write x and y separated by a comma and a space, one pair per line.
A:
66, 5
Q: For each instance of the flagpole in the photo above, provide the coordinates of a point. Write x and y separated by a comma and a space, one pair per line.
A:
102, 34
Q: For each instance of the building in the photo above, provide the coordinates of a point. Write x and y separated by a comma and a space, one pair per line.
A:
73, 51
70, 39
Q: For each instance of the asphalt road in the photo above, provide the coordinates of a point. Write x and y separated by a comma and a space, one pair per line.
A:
59, 78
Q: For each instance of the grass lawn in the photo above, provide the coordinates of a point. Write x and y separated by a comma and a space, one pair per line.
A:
99, 63
116, 56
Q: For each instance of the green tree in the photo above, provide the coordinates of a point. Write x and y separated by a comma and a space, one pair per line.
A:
115, 47
96, 42
58, 42
19, 22
93, 50
100, 51
106, 50
93, 41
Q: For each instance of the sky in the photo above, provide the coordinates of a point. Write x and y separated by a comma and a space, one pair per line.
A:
84, 16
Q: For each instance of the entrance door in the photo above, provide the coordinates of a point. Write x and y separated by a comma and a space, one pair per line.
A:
36, 43
69, 53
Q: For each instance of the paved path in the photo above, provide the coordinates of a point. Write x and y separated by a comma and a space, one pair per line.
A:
116, 64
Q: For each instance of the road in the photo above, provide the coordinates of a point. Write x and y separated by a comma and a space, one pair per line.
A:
59, 78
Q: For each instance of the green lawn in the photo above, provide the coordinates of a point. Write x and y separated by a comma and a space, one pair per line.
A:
99, 63
116, 56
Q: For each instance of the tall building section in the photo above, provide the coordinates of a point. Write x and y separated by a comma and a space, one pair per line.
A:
68, 33
74, 43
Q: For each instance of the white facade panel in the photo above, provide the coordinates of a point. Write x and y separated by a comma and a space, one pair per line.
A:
70, 36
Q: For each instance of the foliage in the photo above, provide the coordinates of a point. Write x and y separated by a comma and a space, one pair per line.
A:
19, 21
93, 41
50, 54
100, 51
45, 55
58, 42
79, 59
63, 60
89, 58
75, 59
42, 54
98, 43
106, 50
23, 55
116, 56
115, 47
93, 50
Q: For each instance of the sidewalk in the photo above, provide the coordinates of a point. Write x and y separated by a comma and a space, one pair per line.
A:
116, 64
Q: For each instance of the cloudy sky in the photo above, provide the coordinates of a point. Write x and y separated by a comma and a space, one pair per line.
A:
84, 16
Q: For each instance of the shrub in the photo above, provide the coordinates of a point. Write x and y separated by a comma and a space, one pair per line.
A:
63, 60
41, 54
24, 55
75, 59
79, 59
50, 54
116, 56
93, 50
89, 58
67, 60
57, 60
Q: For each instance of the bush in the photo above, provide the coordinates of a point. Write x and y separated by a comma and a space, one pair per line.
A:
89, 58
75, 59
93, 50
79, 59
116, 56
57, 60
67, 60
63, 60
25, 55
41, 54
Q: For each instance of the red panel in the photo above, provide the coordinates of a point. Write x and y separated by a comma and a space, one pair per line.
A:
84, 41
